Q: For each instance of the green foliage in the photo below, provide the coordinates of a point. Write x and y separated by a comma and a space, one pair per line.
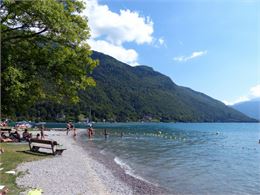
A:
125, 93
44, 55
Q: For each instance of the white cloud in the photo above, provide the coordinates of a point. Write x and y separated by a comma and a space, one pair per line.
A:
254, 92
194, 54
225, 102
126, 26
240, 99
128, 56
111, 30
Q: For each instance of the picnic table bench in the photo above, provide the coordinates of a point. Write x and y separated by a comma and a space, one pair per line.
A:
6, 129
36, 144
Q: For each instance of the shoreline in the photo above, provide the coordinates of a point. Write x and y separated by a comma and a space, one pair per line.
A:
81, 169
136, 183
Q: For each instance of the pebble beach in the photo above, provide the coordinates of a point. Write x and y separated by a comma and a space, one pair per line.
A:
79, 171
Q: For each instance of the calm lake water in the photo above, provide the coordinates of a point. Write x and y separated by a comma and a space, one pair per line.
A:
187, 158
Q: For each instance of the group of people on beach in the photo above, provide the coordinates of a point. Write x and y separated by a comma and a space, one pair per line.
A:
70, 127
15, 136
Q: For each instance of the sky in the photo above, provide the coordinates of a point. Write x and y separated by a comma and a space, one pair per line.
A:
211, 46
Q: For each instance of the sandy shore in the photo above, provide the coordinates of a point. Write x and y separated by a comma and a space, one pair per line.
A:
80, 171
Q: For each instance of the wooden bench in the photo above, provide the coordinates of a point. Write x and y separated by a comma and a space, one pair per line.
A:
36, 144
6, 129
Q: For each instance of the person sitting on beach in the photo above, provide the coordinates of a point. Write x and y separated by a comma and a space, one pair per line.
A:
3, 135
38, 136
26, 135
4, 190
4, 138
15, 136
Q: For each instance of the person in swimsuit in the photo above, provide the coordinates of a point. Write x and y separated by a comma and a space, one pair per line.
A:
90, 132
68, 127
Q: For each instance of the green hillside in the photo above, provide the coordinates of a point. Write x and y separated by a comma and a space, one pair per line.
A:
140, 93
125, 93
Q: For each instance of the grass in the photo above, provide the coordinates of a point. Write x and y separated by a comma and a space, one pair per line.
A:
14, 154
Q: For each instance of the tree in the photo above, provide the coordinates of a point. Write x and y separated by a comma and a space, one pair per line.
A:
44, 54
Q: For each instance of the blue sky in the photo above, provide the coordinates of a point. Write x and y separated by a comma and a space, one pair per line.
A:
210, 46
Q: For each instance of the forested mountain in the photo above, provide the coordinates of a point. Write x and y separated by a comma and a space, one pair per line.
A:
125, 93
250, 108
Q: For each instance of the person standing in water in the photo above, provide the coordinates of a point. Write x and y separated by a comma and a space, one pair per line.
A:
68, 127
90, 131
105, 133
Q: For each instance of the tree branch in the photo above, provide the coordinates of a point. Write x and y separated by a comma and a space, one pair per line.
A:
24, 36
11, 29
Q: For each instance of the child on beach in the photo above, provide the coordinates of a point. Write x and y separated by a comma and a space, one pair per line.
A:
74, 132
42, 132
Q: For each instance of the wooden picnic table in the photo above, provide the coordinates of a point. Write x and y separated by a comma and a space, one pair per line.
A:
36, 144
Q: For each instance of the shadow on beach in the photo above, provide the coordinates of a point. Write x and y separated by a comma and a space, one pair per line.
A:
39, 153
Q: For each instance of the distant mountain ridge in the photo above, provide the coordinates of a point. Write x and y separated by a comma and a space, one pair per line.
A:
250, 108
125, 93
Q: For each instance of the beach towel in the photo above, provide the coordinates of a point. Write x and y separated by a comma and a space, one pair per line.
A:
10, 172
35, 192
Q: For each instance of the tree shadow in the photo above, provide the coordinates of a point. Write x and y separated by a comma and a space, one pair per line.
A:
38, 153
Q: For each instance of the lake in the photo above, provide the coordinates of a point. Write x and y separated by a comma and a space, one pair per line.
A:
187, 158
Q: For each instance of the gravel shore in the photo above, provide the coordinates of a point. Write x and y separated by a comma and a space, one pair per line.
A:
80, 170
73, 172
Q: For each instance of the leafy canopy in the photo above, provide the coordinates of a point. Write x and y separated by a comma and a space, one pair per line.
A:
44, 54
